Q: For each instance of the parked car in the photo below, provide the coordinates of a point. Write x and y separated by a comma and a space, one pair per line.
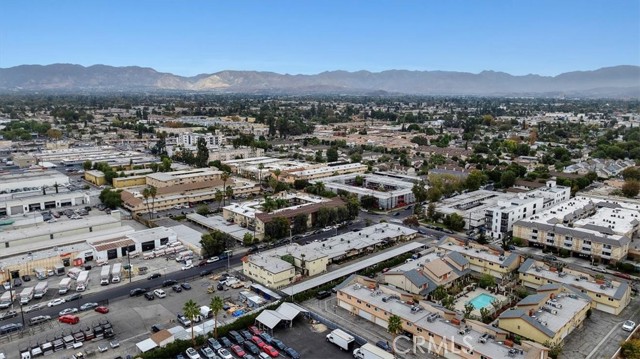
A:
8, 314
55, 302
68, 311
236, 337
278, 344
254, 330
214, 344
192, 354
186, 286
149, 296
259, 342
169, 282
176, 288
87, 306
69, 319
271, 351
251, 348
10, 328
266, 337
225, 342
628, 326
237, 350
206, 272
137, 292
159, 293
17, 282
154, 276
73, 297
384, 345
224, 354
208, 353
26, 278
292, 353
102, 309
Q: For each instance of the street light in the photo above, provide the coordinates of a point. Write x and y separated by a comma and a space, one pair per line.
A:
228, 252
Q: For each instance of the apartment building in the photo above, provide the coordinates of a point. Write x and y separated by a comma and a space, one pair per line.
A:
431, 326
482, 259
325, 171
268, 270
606, 295
190, 140
168, 179
547, 316
388, 191
592, 228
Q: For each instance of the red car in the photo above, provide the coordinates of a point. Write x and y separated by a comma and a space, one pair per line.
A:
69, 319
257, 341
102, 309
254, 330
237, 350
271, 351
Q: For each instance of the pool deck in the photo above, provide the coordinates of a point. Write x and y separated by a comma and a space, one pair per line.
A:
459, 305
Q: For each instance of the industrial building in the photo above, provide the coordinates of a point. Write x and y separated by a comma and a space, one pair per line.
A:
32, 180
107, 154
35, 201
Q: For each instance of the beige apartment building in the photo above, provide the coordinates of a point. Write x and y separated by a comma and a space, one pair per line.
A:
168, 179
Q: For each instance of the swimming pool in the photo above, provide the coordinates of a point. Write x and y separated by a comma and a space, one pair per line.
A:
482, 301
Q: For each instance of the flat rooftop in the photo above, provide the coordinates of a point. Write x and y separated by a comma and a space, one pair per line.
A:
168, 176
220, 224
484, 253
270, 264
472, 204
152, 234
439, 326
570, 307
350, 269
55, 228
574, 278
328, 169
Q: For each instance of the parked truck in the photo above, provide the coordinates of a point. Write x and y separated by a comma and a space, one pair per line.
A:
105, 274
41, 289
83, 281
116, 273
7, 299
41, 273
64, 286
184, 255
59, 269
370, 351
26, 295
343, 340
73, 273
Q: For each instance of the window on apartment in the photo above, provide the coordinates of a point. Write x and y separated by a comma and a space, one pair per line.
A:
598, 296
610, 299
431, 335
586, 242
368, 305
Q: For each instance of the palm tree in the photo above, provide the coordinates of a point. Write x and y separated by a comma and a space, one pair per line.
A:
229, 192
216, 306
56, 185
153, 191
218, 197
394, 326
269, 204
191, 311
146, 193
277, 173
224, 177
260, 168
319, 188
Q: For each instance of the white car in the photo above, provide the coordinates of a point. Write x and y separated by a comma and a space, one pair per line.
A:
55, 302
193, 354
32, 308
213, 259
6, 285
188, 266
114, 343
224, 354
102, 348
159, 293
599, 269
628, 326
68, 311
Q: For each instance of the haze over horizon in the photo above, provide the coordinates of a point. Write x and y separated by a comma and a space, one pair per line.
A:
544, 38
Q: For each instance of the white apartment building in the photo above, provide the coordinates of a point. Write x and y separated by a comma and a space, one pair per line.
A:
190, 139
500, 218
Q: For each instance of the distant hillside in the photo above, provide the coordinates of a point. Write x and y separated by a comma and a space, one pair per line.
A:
618, 81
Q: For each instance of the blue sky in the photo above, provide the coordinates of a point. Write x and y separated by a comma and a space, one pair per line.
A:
192, 37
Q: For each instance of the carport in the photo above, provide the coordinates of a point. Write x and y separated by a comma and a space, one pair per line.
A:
286, 312
146, 345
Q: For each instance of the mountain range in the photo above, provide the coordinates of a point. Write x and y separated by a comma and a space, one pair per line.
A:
618, 81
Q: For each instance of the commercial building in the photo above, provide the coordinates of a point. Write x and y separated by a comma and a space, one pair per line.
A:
389, 192
600, 230
96, 177
175, 178
270, 271
483, 259
262, 167
229, 153
500, 219
548, 316
437, 329
11, 204
17, 182
607, 295
107, 154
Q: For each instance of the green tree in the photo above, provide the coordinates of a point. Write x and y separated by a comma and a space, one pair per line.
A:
214, 243
454, 222
277, 228
631, 173
556, 349
111, 199
411, 221
431, 211
475, 180
468, 308
418, 210
247, 239
87, 165
448, 302
434, 194
202, 210
420, 191
332, 154
394, 326
507, 179
228, 192
191, 311
630, 188
202, 153
145, 195
486, 281
485, 315
216, 306
300, 223
439, 293
368, 202
153, 192
218, 197
224, 177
